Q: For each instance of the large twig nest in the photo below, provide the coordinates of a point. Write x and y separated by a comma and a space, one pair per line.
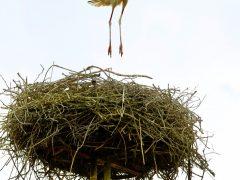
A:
56, 129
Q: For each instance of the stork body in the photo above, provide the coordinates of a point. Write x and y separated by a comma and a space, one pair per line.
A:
112, 3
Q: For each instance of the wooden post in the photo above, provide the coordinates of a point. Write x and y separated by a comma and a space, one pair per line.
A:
107, 171
93, 170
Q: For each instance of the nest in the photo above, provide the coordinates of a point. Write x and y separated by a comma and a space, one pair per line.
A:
61, 129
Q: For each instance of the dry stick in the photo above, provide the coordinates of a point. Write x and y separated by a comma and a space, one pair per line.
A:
118, 74
79, 147
141, 141
35, 81
4, 82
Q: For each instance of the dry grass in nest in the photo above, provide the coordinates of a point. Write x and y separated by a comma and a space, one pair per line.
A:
57, 129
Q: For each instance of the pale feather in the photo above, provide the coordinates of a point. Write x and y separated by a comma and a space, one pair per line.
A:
105, 2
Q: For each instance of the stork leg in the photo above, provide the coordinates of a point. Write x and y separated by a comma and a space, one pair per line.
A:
120, 30
110, 33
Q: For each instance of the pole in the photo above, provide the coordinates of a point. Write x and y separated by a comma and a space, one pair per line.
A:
93, 170
107, 171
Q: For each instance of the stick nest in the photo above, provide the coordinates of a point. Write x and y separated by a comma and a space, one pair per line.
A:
57, 129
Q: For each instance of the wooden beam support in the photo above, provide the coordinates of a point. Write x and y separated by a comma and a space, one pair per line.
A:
107, 171
101, 162
93, 170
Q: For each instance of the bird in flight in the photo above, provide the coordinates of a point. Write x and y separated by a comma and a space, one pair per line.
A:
112, 3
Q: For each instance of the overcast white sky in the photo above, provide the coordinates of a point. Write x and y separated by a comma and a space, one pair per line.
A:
184, 43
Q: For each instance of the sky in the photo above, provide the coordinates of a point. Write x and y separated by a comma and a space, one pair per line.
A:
187, 44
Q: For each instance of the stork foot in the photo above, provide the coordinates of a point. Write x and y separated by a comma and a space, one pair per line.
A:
110, 50
121, 49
